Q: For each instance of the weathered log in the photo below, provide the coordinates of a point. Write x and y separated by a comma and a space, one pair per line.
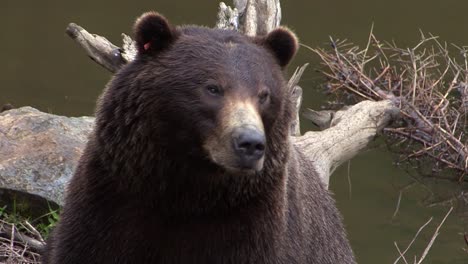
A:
350, 129
345, 133
328, 148
258, 17
349, 132
39, 151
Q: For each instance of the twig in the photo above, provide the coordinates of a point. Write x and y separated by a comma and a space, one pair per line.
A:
412, 241
14, 236
402, 256
429, 245
436, 233
398, 204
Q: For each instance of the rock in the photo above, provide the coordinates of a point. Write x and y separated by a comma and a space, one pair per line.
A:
39, 151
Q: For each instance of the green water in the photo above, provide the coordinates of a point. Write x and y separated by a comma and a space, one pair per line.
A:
40, 66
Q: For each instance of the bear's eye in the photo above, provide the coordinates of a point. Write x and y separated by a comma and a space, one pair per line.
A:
214, 90
262, 97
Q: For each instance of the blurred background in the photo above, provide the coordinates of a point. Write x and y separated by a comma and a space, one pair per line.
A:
41, 67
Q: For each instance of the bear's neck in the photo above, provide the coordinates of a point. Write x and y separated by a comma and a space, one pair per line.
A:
183, 184
182, 202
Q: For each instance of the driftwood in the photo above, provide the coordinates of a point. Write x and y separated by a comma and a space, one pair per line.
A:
345, 133
258, 17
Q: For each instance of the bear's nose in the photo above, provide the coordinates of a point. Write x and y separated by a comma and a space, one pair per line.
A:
249, 145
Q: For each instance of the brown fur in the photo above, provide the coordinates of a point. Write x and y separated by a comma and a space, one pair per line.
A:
146, 190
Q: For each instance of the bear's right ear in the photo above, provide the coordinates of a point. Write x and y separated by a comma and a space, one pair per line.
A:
153, 33
282, 42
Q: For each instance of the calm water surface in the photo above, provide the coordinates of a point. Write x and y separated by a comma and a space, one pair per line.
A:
40, 66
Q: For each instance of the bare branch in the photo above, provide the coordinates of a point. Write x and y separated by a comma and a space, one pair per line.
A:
98, 48
296, 96
429, 245
402, 254
436, 233
18, 247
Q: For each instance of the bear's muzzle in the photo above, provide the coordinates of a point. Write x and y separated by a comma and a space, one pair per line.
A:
239, 143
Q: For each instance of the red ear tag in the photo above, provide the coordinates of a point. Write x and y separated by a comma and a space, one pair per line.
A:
147, 46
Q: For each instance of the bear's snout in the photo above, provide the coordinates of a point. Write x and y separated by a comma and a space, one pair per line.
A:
249, 145
239, 142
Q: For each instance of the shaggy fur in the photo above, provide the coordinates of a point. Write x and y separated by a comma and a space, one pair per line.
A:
145, 190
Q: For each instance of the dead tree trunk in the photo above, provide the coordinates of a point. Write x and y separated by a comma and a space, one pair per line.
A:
345, 133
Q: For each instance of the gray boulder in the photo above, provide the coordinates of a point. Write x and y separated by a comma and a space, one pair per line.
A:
39, 151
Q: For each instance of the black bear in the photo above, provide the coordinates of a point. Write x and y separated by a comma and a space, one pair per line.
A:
191, 160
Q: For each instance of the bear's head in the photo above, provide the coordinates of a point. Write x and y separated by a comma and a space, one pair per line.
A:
209, 100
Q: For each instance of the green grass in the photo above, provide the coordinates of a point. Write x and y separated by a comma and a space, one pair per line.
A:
18, 214
47, 222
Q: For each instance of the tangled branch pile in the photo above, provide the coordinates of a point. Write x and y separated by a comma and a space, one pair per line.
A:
19, 245
428, 85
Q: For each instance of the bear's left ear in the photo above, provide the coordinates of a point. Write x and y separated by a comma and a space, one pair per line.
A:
153, 33
283, 43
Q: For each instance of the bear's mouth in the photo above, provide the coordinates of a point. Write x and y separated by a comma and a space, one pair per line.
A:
231, 163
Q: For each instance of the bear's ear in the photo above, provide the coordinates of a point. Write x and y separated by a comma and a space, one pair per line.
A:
153, 33
283, 43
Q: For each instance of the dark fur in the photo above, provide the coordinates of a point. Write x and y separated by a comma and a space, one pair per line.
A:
145, 191
284, 47
6, 107
155, 31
